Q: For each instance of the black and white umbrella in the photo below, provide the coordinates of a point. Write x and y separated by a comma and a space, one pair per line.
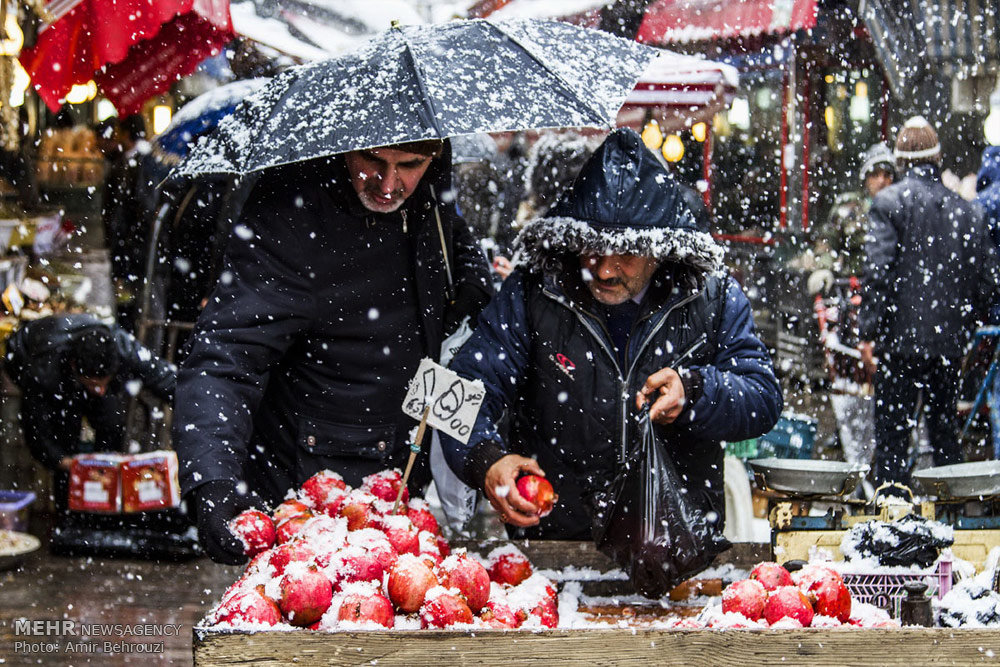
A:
428, 82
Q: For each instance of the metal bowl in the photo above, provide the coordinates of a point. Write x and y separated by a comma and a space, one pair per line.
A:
808, 477
961, 480
12, 556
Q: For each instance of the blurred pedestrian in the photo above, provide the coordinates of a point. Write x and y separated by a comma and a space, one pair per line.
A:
928, 280
73, 366
841, 247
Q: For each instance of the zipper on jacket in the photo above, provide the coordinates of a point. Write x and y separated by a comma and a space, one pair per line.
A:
638, 353
402, 213
697, 345
623, 400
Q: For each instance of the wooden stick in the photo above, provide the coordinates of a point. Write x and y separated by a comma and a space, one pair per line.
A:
414, 448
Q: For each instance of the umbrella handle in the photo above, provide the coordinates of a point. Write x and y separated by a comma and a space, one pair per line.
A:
444, 249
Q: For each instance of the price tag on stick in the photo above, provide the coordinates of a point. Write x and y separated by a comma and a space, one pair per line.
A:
440, 398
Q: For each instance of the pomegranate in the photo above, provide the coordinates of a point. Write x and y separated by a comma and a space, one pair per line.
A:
537, 491
255, 530
469, 577
788, 601
316, 489
367, 608
409, 581
745, 597
306, 594
771, 575
249, 606
443, 610
510, 568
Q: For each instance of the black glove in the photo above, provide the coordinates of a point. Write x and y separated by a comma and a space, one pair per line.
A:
469, 300
216, 503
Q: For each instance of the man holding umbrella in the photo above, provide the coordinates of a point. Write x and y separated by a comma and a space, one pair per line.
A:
347, 266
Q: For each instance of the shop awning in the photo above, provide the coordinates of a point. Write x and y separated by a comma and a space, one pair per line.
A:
953, 37
673, 21
682, 90
133, 49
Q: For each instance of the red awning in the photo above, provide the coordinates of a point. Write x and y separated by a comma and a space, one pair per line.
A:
133, 49
672, 21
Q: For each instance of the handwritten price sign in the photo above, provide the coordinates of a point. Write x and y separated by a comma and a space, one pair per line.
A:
454, 401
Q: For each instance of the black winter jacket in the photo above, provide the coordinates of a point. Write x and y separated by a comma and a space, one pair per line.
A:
300, 359
53, 401
930, 271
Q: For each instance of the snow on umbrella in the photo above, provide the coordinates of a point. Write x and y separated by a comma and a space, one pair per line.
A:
425, 82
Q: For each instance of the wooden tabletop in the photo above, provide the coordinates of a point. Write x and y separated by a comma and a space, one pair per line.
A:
144, 611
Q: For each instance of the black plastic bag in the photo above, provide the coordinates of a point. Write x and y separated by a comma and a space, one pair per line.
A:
647, 522
911, 540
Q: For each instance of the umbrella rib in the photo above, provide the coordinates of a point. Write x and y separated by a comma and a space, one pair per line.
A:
422, 85
572, 93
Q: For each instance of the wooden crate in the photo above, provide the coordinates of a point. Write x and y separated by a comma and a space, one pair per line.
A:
631, 644
620, 646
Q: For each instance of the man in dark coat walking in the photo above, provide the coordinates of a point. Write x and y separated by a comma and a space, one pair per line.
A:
619, 299
929, 278
74, 366
342, 273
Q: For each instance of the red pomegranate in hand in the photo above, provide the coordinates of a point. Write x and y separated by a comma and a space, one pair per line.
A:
771, 575
788, 601
255, 530
746, 597
537, 491
306, 594
409, 581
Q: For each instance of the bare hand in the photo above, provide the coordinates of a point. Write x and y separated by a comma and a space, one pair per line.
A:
868, 363
665, 389
65, 463
500, 487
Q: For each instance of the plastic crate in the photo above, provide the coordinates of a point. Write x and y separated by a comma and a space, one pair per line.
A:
886, 590
14, 510
792, 437
743, 449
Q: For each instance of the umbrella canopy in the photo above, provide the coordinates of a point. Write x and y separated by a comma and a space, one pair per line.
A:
133, 49
426, 82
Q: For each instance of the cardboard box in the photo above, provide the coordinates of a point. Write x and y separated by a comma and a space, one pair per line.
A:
95, 483
149, 482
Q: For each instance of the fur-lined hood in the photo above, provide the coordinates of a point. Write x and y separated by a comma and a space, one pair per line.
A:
623, 202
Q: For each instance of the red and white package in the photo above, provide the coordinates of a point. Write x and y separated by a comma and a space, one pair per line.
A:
94, 483
149, 482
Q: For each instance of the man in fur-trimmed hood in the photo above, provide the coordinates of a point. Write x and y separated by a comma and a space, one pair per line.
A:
618, 299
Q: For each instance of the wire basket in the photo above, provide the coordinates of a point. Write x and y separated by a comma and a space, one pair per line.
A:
887, 591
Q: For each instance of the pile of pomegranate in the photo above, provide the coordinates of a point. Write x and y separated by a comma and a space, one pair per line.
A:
815, 596
336, 558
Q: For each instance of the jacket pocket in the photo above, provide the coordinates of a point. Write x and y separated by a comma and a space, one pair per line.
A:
341, 447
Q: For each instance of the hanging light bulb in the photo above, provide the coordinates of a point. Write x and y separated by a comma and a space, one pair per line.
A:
652, 136
673, 148
699, 131
161, 117
15, 37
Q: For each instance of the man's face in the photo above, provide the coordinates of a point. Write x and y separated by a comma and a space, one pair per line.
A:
876, 181
614, 279
384, 177
95, 386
